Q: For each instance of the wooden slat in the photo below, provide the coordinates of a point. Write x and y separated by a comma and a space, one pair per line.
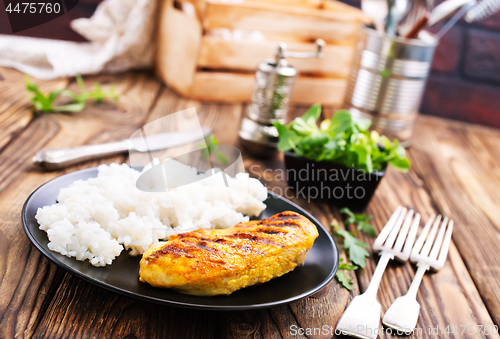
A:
315, 4
217, 53
224, 87
79, 309
325, 9
325, 5
462, 178
311, 90
237, 87
178, 42
308, 24
26, 278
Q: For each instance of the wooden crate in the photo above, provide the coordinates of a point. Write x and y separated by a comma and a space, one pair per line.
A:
205, 67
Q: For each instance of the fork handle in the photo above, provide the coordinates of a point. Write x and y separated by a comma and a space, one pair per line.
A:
55, 158
377, 275
417, 279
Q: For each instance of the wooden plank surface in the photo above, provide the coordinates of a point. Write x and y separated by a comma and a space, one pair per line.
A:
455, 172
237, 87
461, 174
218, 53
308, 24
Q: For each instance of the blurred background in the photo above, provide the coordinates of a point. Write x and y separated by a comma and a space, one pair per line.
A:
464, 83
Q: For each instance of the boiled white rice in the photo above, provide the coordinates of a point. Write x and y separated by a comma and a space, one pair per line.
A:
96, 219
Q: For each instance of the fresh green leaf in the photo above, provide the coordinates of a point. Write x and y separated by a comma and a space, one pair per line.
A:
314, 140
344, 279
361, 220
363, 157
295, 148
401, 164
76, 107
374, 136
211, 147
363, 124
385, 143
351, 216
345, 266
285, 135
366, 228
324, 125
301, 127
41, 102
340, 122
54, 94
355, 247
79, 81
312, 114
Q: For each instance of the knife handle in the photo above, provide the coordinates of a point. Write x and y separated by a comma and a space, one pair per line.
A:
55, 158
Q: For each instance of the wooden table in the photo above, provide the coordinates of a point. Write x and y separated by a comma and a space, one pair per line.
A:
455, 172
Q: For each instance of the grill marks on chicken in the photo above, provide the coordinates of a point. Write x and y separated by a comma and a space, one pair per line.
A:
221, 261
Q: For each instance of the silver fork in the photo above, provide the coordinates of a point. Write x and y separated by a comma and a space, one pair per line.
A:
403, 313
361, 319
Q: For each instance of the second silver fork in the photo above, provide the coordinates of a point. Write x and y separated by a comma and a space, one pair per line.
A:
403, 313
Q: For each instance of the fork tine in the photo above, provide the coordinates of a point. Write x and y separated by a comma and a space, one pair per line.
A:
395, 230
387, 229
420, 241
404, 231
430, 238
412, 234
446, 246
439, 240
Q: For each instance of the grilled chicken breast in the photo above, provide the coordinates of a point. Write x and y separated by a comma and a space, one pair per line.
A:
221, 261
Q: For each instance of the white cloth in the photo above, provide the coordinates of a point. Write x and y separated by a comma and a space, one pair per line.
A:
121, 35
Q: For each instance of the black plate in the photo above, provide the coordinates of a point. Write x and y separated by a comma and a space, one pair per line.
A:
123, 275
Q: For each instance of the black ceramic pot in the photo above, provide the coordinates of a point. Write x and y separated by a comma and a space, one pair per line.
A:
343, 186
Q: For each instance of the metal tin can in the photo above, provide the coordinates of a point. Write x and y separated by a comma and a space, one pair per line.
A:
387, 81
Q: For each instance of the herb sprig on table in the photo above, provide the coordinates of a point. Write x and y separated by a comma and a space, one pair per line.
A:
211, 144
46, 102
361, 220
342, 140
356, 248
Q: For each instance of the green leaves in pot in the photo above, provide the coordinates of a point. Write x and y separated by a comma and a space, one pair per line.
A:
342, 140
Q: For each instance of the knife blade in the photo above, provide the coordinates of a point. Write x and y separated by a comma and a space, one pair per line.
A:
56, 158
166, 140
